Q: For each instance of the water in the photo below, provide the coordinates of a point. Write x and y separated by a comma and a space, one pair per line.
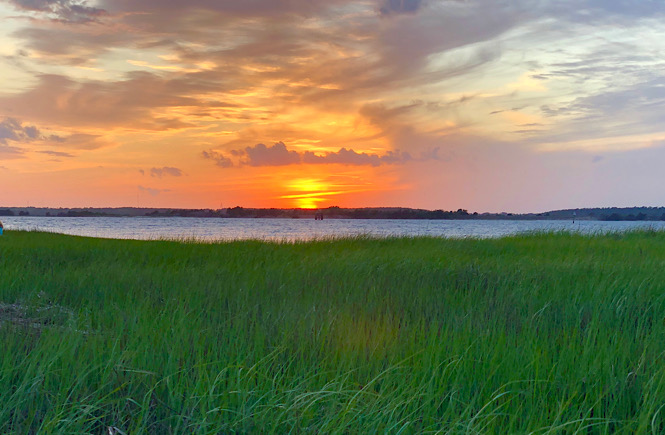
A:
212, 229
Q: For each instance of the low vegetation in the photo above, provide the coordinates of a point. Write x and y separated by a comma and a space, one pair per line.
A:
541, 333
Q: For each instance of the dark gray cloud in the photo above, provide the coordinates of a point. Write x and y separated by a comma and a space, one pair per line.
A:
220, 159
70, 11
13, 130
279, 155
400, 6
166, 171
261, 155
258, 155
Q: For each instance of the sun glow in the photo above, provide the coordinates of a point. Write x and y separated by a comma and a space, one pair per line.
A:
308, 203
316, 191
307, 192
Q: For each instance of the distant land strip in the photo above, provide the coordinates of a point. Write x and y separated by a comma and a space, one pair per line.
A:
597, 214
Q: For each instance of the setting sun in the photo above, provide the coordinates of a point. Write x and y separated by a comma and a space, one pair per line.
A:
306, 192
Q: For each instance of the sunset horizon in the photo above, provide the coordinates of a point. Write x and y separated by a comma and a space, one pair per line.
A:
431, 104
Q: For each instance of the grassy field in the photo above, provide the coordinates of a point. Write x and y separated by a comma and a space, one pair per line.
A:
543, 333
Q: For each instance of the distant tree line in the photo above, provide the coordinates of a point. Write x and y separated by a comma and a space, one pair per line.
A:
81, 213
335, 212
349, 213
632, 217
184, 213
8, 212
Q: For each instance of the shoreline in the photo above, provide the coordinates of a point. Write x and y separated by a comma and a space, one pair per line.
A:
598, 214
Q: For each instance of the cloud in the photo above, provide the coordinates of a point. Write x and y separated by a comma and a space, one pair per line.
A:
153, 192
247, 65
129, 103
250, 8
56, 153
600, 118
84, 141
13, 130
220, 159
258, 155
166, 170
356, 56
400, 6
592, 10
280, 155
261, 155
62, 10
349, 157
73, 45
10, 152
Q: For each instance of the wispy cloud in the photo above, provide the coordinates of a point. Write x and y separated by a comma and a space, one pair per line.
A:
62, 10
17, 137
164, 171
10, 152
130, 103
152, 191
56, 153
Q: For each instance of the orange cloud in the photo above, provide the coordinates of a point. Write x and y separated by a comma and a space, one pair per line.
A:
279, 155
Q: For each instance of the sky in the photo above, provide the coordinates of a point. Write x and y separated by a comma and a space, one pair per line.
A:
485, 105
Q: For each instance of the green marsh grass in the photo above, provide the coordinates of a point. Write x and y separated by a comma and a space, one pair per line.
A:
538, 333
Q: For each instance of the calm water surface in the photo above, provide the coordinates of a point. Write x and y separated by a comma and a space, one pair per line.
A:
298, 229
